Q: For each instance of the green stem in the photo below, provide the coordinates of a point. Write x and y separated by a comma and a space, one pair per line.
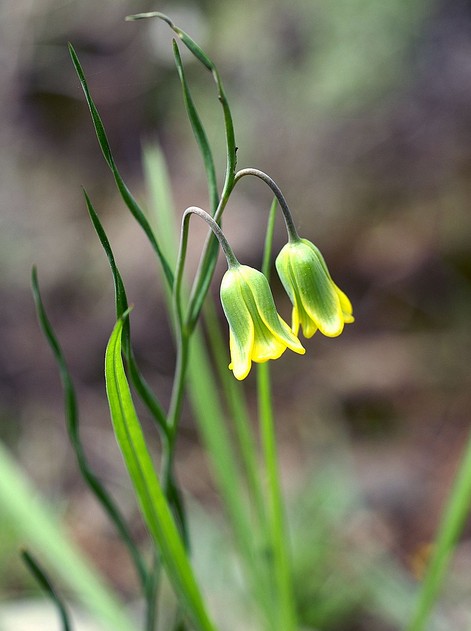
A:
283, 597
183, 336
277, 532
290, 227
182, 341
207, 264
237, 407
453, 520
151, 593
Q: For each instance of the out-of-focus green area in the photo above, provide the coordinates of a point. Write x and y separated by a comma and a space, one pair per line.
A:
360, 110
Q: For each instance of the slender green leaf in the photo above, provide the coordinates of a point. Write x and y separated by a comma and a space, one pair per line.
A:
190, 43
144, 391
73, 429
154, 505
45, 582
142, 387
452, 523
38, 527
126, 195
162, 212
199, 132
209, 257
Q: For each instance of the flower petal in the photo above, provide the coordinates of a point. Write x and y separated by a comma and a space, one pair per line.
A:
241, 361
241, 335
345, 305
299, 313
266, 310
318, 294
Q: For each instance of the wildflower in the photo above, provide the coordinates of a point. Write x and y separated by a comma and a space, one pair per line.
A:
317, 301
257, 332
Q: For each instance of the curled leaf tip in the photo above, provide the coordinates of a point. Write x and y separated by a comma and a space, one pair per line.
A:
151, 14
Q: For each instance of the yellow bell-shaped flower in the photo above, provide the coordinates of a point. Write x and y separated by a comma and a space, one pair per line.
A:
257, 332
317, 301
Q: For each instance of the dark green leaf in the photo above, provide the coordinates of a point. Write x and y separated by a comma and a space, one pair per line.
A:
46, 584
72, 419
199, 132
126, 195
142, 387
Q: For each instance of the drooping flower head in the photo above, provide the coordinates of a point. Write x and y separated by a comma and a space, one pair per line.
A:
317, 301
256, 331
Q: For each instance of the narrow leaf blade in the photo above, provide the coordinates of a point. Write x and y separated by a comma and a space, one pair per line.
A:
142, 387
45, 582
126, 195
73, 429
199, 132
154, 506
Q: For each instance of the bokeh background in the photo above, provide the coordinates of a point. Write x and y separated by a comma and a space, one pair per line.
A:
360, 110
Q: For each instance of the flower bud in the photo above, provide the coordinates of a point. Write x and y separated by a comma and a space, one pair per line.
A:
317, 301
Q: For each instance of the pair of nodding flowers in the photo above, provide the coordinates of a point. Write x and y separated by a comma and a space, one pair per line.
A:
257, 332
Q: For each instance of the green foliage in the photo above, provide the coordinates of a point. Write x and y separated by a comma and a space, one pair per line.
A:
45, 582
149, 493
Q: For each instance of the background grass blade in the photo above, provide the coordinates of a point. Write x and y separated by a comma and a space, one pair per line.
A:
154, 506
72, 421
38, 528
45, 582
126, 195
453, 520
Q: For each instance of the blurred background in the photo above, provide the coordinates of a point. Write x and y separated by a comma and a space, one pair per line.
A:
360, 110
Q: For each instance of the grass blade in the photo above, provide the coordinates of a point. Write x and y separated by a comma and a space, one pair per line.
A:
208, 262
46, 584
237, 407
453, 521
126, 195
142, 388
154, 505
190, 43
39, 529
72, 421
199, 132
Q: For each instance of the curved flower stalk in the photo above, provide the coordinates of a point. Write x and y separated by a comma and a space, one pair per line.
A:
317, 301
257, 332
